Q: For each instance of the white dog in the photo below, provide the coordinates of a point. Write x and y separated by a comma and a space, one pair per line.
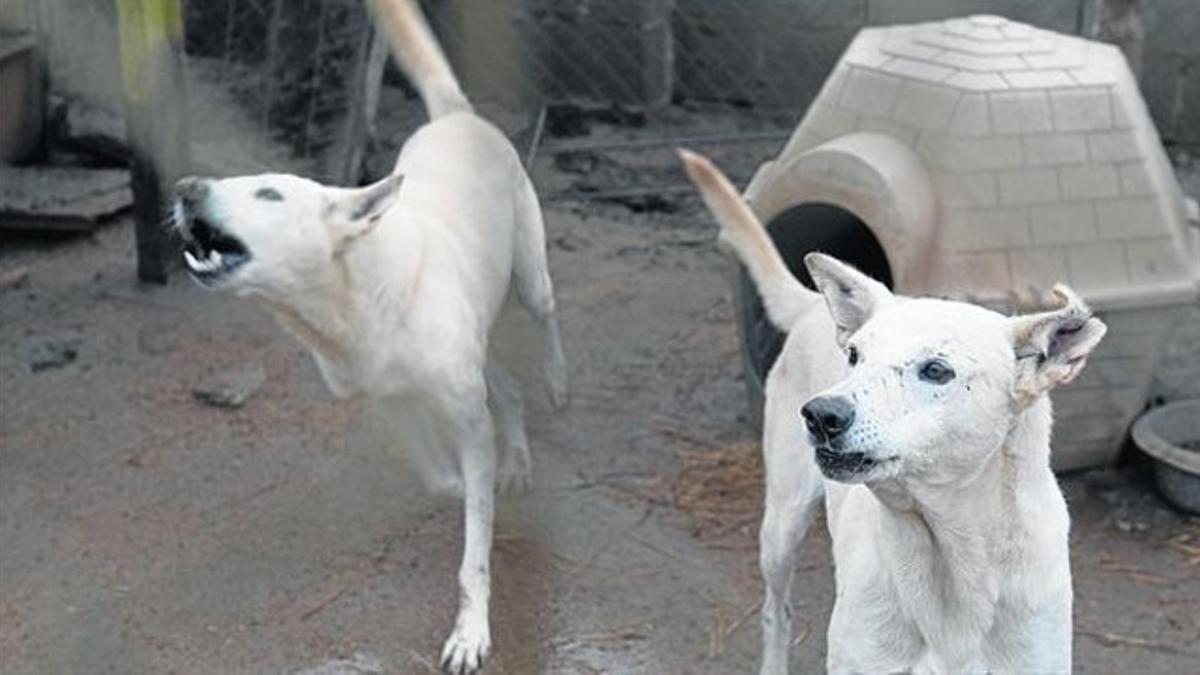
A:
394, 287
928, 434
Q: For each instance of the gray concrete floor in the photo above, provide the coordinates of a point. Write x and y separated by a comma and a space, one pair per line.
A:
142, 531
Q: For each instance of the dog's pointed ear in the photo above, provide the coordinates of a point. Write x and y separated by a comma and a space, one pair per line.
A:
352, 212
852, 296
1052, 347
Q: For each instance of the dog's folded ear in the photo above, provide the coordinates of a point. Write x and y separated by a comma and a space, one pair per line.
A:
1052, 347
352, 212
852, 296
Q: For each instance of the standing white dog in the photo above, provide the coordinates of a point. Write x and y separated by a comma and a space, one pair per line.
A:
394, 287
928, 434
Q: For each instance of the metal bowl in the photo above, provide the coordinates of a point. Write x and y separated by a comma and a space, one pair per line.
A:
1171, 435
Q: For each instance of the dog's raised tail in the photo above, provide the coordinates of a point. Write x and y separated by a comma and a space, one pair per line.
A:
419, 56
784, 297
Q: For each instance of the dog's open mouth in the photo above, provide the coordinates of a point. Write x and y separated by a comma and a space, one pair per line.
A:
846, 465
210, 253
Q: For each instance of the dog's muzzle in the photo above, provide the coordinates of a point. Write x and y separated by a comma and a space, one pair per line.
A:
828, 418
209, 253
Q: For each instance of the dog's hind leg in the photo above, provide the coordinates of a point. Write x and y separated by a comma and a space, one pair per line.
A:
794, 488
531, 276
472, 434
504, 399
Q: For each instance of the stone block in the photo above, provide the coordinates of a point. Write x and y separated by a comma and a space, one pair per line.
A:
966, 189
1062, 223
970, 81
885, 125
827, 122
1128, 218
1038, 268
1098, 266
925, 106
1126, 110
1028, 186
983, 64
871, 93
1088, 182
1114, 146
1020, 112
1153, 261
970, 117
972, 154
1135, 179
1093, 75
988, 229
917, 70
1055, 149
983, 273
1084, 109
1039, 79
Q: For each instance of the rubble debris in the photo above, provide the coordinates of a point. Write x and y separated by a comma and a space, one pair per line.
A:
651, 203
360, 663
565, 120
580, 162
60, 198
80, 127
53, 354
232, 388
14, 278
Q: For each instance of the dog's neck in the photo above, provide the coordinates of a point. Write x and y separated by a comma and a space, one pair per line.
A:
346, 307
944, 544
321, 316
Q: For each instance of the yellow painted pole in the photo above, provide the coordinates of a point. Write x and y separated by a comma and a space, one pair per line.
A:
151, 36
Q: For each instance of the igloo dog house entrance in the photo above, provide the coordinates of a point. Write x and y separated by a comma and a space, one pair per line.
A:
988, 159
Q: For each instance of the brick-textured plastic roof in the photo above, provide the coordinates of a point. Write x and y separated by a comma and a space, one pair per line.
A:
1042, 158
984, 53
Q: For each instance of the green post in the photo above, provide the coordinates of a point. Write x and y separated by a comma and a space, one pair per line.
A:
151, 35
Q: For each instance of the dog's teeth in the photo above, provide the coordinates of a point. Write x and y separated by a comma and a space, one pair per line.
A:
215, 259
191, 259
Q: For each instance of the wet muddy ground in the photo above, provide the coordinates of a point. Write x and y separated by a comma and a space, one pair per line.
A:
145, 530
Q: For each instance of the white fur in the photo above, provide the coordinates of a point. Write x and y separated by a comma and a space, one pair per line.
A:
951, 550
394, 288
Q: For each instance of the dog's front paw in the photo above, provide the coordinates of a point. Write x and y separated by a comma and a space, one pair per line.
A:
467, 648
514, 478
558, 390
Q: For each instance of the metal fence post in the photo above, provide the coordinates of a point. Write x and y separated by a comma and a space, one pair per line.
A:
151, 36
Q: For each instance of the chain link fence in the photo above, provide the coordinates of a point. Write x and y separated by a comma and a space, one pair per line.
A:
595, 93
276, 84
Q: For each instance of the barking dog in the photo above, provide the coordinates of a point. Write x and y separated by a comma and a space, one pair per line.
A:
394, 287
925, 425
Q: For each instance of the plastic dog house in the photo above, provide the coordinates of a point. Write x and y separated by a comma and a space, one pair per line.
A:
988, 159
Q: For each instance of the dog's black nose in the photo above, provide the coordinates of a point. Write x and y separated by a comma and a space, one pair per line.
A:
191, 191
828, 416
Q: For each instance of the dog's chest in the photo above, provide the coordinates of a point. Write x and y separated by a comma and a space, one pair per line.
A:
900, 602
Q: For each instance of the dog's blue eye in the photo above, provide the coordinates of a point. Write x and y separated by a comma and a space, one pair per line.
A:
852, 356
936, 371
